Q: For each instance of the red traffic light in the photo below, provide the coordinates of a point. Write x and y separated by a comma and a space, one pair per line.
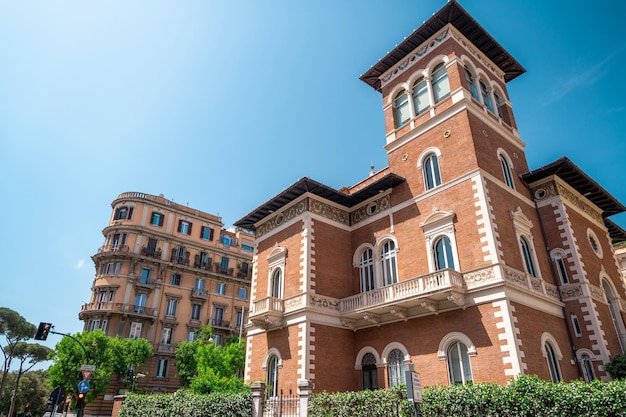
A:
81, 395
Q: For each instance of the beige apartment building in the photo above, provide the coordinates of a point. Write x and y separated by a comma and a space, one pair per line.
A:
456, 259
164, 271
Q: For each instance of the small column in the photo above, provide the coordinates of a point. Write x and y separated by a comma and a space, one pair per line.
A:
258, 393
305, 390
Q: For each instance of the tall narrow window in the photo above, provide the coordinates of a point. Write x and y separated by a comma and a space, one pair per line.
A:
368, 369
585, 363
529, 261
170, 309
161, 371
219, 316
421, 103
156, 219
195, 311
432, 177
506, 172
395, 366
486, 96
471, 83
272, 376
184, 227
443, 254
440, 83
366, 270
140, 303
576, 325
403, 112
614, 310
221, 288
561, 269
166, 336
499, 104
389, 264
459, 369
135, 330
206, 233
277, 283
553, 363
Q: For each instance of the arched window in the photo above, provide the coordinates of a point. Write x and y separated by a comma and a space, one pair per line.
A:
472, 83
366, 270
440, 83
614, 309
403, 112
459, 369
499, 104
506, 172
561, 269
432, 177
443, 254
486, 97
585, 363
395, 367
272, 376
529, 262
277, 283
553, 362
421, 102
389, 264
576, 325
368, 369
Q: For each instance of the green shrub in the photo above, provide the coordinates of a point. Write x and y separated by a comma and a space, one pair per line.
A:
187, 404
617, 366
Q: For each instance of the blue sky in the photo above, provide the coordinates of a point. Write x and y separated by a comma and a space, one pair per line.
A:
223, 104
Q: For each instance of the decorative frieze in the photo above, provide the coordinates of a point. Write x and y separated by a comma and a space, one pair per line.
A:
282, 217
571, 292
478, 277
370, 209
576, 200
330, 212
324, 302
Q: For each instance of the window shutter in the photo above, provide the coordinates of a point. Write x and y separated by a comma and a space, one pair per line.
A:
117, 214
161, 220
180, 225
130, 213
210, 234
152, 218
189, 231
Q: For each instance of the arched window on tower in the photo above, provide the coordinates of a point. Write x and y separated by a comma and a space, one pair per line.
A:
272, 376
421, 102
529, 260
440, 83
485, 94
277, 283
506, 172
553, 362
471, 81
402, 110
432, 176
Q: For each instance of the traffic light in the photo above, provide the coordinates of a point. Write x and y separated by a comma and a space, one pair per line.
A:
80, 400
43, 330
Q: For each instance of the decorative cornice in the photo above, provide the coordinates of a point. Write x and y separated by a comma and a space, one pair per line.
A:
329, 212
283, 216
370, 209
553, 188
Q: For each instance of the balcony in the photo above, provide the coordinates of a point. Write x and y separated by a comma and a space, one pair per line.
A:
199, 294
113, 248
145, 283
268, 312
182, 260
206, 265
100, 307
224, 271
220, 324
165, 348
151, 253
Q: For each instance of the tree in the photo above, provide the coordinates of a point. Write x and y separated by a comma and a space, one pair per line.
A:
186, 362
68, 356
127, 355
32, 391
617, 366
29, 354
15, 329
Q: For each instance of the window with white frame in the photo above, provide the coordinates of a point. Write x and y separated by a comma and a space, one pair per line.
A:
171, 306
166, 336
499, 104
587, 367
389, 262
123, 213
195, 311
421, 102
529, 259
366, 270
277, 283
175, 280
459, 367
522, 226
471, 82
442, 250
192, 335
485, 95
276, 266
553, 362
558, 256
272, 375
506, 171
135, 330
156, 219
432, 176
184, 227
440, 83
140, 303
161, 369
145, 276
369, 371
221, 288
402, 109
576, 325
243, 293
395, 368
613, 302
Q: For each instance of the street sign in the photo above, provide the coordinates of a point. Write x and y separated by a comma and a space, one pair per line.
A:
413, 387
83, 386
57, 396
87, 370
86, 375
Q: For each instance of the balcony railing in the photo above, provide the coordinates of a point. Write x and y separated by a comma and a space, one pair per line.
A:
119, 308
165, 348
220, 323
439, 281
145, 282
268, 305
182, 260
224, 271
206, 265
151, 253
113, 248
199, 293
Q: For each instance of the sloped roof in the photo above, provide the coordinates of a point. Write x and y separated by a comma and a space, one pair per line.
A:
452, 13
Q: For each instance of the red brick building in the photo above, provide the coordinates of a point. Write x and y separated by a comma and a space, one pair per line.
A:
455, 258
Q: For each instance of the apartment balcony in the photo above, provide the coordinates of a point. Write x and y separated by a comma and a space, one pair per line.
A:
199, 294
145, 283
267, 313
113, 248
206, 265
431, 293
224, 271
181, 260
119, 308
220, 324
165, 348
151, 253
